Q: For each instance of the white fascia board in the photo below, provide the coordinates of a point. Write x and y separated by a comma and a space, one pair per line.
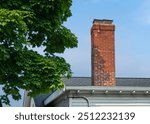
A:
104, 88
53, 96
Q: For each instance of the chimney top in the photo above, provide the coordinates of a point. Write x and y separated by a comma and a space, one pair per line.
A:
103, 21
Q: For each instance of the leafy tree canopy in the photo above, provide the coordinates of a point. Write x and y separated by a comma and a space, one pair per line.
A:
25, 24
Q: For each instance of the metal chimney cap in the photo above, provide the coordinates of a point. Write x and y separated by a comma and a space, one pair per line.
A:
103, 21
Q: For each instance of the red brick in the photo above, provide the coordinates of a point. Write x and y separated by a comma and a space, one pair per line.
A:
103, 54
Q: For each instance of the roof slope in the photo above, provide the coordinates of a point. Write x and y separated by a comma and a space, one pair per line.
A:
86, 81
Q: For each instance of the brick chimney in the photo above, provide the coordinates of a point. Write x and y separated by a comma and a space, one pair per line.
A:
103, 53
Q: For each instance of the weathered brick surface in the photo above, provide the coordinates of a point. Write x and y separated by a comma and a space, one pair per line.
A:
103, 54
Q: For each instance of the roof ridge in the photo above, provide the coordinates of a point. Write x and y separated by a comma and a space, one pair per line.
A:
79, 77
116, 77
132, 78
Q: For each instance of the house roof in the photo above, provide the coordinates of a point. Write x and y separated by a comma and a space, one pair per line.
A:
86, 81
102, 90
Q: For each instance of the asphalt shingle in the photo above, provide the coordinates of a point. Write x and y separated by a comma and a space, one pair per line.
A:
86, 81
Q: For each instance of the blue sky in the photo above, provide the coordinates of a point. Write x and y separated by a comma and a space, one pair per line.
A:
132, 36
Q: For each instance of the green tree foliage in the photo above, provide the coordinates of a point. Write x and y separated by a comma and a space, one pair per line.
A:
25, 24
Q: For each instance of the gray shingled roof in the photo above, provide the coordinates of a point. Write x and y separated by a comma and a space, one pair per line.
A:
86, 81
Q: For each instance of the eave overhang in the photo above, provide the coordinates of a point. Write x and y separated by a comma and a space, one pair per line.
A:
101, 90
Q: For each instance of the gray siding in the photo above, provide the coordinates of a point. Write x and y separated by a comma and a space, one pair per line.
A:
60, 103
78, 102
109, 100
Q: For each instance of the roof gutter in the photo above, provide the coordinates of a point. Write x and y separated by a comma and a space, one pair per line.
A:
94, 89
